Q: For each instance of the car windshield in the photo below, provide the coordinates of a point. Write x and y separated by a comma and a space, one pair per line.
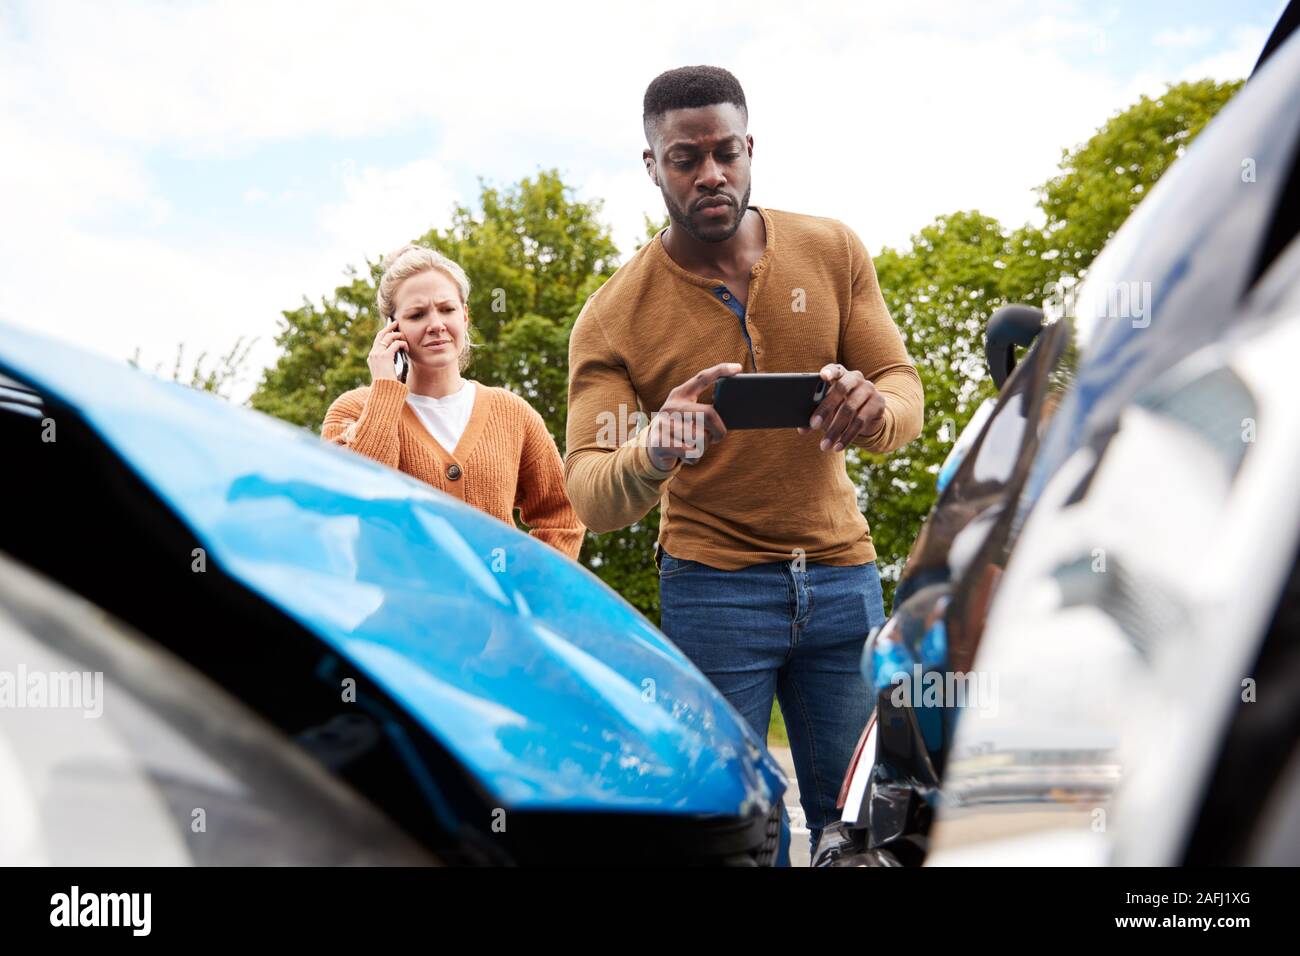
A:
1173, 278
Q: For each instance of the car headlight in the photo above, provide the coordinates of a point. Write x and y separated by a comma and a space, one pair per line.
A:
912, 644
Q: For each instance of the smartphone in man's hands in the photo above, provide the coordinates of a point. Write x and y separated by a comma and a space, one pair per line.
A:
769, 399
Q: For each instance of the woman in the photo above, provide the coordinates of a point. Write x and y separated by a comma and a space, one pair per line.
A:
486, 446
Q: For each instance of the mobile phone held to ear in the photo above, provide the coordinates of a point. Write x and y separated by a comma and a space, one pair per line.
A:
768, 399
399, 365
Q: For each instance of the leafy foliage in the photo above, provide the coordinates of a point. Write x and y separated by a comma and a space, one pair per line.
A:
958, 270
534, 254
941, 293
1101, 181
218, 379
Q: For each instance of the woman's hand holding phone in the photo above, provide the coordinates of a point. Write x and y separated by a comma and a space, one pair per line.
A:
383, 354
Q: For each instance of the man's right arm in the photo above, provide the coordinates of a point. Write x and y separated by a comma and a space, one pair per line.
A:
610, 485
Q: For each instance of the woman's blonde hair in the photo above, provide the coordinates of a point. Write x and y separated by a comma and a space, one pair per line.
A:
410, 260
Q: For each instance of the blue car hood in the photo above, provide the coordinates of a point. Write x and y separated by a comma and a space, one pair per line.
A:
553, 691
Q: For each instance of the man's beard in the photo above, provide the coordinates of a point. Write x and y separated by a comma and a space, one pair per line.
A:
681, 218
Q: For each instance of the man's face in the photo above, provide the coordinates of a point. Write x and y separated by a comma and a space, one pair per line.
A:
700, 159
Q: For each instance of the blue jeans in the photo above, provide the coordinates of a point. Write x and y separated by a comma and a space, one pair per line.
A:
775, 629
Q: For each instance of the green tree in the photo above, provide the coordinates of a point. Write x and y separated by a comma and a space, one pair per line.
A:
1101, 181
942, 288
217, 379
533, 254
323, 353
941, 292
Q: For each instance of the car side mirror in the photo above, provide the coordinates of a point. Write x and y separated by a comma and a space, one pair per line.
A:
1009, 327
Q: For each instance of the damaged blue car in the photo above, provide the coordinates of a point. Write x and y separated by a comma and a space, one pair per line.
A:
299, 656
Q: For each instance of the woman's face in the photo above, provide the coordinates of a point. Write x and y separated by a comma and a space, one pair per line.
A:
431, 318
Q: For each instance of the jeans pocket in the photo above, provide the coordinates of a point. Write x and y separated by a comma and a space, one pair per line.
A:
670, 567
875, 597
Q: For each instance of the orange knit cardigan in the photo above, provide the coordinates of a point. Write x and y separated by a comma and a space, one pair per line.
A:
506, 459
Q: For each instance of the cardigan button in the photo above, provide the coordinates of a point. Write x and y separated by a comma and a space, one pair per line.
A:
453, 472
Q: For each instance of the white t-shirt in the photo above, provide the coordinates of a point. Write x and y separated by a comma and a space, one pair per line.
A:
445, 417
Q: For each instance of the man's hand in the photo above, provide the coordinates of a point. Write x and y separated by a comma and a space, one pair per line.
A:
684, 427
852, 407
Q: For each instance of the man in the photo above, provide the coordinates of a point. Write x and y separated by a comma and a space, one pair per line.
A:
768, 580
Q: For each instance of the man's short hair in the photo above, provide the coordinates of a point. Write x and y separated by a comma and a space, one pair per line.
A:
687, 87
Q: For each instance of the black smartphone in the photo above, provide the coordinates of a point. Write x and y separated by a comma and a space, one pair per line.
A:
400, 363
768, 399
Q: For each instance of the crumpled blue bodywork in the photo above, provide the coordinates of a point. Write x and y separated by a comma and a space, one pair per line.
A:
550, 689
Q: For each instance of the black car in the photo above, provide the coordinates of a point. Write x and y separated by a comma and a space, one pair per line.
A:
1092, 656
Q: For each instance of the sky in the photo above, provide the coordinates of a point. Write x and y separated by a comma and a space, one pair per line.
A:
182, 172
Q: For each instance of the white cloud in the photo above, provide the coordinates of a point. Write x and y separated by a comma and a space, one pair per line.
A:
883, 115
383, 208
1232, 63
53, 173
627, 197
893, 128
1186, 37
